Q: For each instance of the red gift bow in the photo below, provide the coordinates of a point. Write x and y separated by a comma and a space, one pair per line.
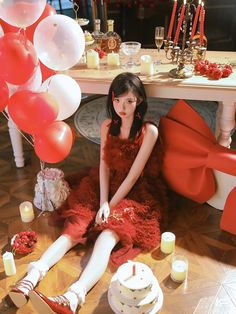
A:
228, 219
191, 152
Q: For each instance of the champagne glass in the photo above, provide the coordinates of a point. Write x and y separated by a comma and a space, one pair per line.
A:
130, 48
159, 38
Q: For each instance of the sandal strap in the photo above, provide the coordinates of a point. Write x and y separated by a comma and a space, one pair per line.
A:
61, 299
26, 284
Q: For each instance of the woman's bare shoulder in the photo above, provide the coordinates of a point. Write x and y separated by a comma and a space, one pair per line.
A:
151, 128
105, 126
106, 123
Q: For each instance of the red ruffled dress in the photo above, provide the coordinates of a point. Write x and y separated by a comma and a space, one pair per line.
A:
136, 219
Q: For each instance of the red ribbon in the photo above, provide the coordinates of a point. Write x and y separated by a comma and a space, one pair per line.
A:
191, 152
228, 219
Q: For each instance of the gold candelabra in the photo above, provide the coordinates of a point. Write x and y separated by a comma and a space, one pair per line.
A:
190, 50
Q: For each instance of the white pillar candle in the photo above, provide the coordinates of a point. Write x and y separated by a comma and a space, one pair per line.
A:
92, 59
179, 268
26, 211
147, 66
9, 264
167, 242
113, 59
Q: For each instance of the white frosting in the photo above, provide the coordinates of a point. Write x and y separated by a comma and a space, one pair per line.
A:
125, 297
142, 278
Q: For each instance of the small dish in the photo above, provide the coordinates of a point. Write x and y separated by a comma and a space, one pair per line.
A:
82, 22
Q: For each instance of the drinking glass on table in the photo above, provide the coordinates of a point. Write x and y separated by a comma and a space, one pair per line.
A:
159, 38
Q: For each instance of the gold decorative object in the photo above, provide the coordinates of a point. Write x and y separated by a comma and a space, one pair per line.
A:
191, 49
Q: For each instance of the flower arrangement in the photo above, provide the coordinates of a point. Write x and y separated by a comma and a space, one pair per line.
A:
213, 70
24, 242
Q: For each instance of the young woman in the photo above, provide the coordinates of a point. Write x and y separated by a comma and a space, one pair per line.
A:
121, 204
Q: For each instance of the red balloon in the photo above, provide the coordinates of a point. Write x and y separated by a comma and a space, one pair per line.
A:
54, 143
49, 10
7, 28
4, 95
18, 58
32, 111
46, 72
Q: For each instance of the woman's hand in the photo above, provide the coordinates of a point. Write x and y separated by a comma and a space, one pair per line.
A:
103, 213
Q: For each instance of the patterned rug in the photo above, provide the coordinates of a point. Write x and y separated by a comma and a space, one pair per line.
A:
91, 114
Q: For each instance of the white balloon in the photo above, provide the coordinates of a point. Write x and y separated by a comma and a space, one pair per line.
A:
21, 13
32, 84
1, 31
59, 42
66, 91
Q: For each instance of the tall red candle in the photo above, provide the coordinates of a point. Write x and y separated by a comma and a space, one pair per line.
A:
172, 19
195, 20
180, 23
202, 19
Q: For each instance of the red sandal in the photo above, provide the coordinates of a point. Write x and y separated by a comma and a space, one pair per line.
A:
42, 304
18, 297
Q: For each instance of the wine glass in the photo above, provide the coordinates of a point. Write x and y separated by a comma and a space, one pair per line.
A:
159, 38
130, 48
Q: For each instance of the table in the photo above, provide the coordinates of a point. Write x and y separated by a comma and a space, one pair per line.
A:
161, 85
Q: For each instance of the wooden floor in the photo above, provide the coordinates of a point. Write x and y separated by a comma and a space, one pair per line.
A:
211, 284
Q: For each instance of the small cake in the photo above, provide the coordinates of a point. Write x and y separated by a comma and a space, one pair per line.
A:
134, 290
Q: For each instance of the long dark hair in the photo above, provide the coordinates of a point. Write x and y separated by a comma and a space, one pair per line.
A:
122, 84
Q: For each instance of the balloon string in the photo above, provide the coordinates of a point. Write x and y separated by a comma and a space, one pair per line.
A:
15, 127
48, 85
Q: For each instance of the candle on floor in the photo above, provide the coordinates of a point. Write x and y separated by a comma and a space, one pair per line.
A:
179, 268
9, 263
147, 66
167, 242
113, 59
26, 211
92, 59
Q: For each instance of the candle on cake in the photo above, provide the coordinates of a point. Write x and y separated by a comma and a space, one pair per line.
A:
9, 263
134, 275
113, 59
147, 66
26, 211
92, 59
179, 268
167, 242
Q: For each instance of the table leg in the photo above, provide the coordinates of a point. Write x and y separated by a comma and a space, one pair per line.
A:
17, 145
226, 122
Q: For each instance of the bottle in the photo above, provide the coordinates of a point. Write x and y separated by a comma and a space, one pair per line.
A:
97, 34
111, 41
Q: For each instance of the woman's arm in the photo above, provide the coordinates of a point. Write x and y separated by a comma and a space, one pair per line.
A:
149, 140
104, 170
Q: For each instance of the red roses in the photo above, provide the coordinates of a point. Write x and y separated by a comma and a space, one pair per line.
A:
213, 70
24, 242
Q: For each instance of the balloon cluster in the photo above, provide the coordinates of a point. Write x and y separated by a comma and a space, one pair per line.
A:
35, 43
